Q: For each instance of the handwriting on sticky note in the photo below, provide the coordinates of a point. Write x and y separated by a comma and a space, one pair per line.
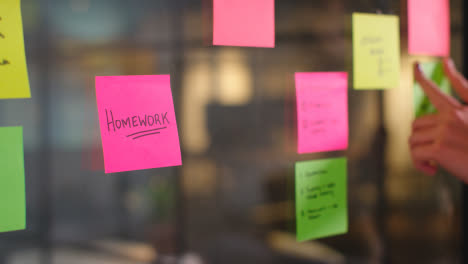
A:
376, 51
12, 186
435, 72
138, 123
321, 198
114, 125
429, 27
14, 82
322, 111
249, 23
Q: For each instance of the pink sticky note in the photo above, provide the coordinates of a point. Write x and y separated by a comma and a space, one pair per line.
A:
138, 122
429, 27
322, 111
249, 23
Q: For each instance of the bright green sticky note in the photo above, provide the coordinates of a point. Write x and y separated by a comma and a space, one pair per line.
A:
376, 51
14, 81
435, 72
12, 187
321, 198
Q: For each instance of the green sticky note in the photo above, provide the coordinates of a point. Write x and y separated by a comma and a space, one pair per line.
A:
376, 51
12, 186
14, 81
435, 72
321, 198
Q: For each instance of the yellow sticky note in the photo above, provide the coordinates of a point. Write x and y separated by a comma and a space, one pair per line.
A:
376, 51
14, 82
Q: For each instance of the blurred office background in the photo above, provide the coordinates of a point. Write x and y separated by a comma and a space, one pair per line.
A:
232, 201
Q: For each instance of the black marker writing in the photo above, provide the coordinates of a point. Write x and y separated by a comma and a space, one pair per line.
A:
370, 40
135, 121
149, 134
378, 52
145, 121
1, 34
4, 62
315, 173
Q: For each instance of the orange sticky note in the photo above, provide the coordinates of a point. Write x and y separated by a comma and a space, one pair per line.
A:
429, 27
248, 23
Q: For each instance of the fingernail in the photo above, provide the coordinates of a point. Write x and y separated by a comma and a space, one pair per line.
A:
417, 67
450, 63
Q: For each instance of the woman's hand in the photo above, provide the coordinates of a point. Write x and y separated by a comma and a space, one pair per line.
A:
441, 139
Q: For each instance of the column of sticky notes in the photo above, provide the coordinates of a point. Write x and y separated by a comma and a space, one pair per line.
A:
322, 125
14, 83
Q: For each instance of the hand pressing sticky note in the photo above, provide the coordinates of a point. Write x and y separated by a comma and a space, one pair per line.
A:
138, 122
14, 82
429, 27
435, 72
322, 111
12, 186
321, 198
376, 51
249, 23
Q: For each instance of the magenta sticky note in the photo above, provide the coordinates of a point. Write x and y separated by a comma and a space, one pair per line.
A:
138, 122
248, 23
429, 27
322, 111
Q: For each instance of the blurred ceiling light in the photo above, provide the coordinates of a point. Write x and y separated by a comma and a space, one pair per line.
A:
235, 79
195, 97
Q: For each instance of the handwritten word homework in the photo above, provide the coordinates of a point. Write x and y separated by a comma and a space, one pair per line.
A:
322, 111
321, 198
12, 185
376, 51
14, 82
138, 123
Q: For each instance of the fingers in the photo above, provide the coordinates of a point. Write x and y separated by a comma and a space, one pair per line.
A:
426, 121
426, 168
423, 136
424, 158
456, 79
440, 100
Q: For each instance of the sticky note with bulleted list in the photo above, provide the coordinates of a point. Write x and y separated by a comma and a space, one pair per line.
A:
321, 198
376, 51
322, 111
12, 185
